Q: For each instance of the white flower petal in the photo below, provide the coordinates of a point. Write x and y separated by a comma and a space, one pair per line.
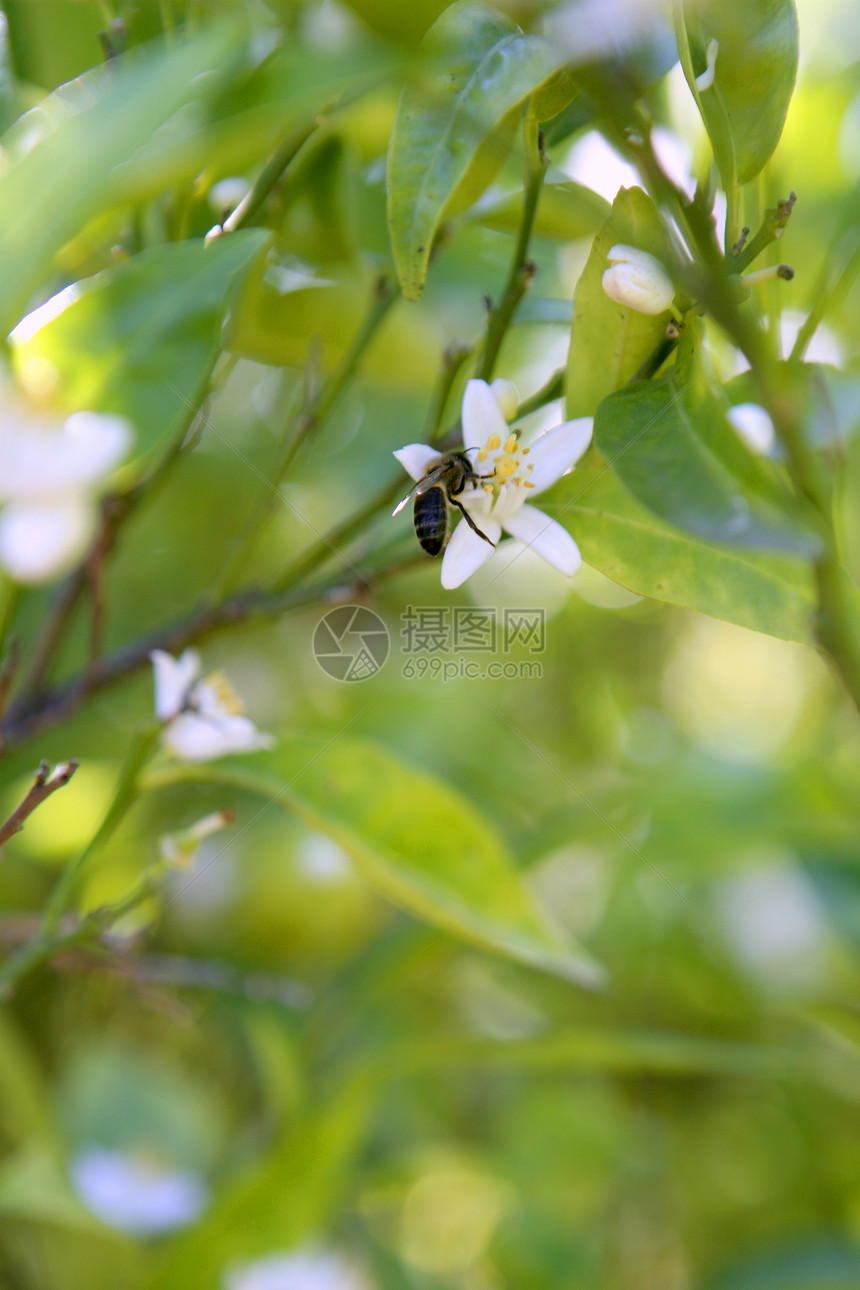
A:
506, 395
42, 459
132, 1195
637, 280
173, 679
556, 451
41, 539
546, 537
754, 426
466, 552
416, 458
482, 415
191, 737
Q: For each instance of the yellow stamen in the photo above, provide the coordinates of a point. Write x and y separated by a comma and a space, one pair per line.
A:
530, 465
224, 693
482, 454
528, 484
525, 451
493, 442
488, 488
511, 443
505, 467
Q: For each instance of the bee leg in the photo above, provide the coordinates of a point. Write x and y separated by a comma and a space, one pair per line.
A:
471, 523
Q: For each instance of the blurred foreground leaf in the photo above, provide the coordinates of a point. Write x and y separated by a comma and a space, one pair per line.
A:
140, 339
414, 839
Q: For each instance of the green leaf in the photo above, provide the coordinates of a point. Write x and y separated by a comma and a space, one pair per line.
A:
414, 839
25, 1109
609, 342
285, 1198
565, 211
453, 130
744, 109
772, 594
659, 436
140, 338
64, 158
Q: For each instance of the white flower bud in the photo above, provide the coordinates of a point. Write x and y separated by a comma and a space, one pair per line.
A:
179, 849
505, 394
637, 280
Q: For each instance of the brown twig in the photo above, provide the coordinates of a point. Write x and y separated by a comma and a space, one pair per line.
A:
44, 784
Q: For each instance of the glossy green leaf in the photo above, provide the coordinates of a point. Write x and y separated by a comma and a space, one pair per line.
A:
618, 536
744, 109
452, 131
416, 841
64, 158
140, 338
659, 438
565, 211
610, 342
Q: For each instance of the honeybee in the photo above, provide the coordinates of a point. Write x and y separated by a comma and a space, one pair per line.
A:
441, 487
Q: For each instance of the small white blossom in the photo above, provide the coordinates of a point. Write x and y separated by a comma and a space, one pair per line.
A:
754, 426
50, 471
203, 715
134, 1193
706, 80
637, 280
299, 1270
511, 473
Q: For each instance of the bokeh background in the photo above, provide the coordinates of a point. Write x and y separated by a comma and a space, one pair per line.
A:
292, 1085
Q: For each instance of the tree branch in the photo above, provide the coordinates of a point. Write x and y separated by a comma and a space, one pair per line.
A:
44, 784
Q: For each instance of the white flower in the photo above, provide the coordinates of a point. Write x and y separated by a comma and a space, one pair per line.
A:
637, 280
179, 849
754, 426
512, 473
300, 1270
50, 470
133, 1193
706, 79
203, 715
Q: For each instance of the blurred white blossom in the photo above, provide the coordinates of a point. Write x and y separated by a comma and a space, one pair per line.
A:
134, 1193
203, 716
754, 426
179, 849
300, 1270
51, 469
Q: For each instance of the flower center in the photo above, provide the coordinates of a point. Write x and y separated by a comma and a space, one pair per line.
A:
505, 464
225, 696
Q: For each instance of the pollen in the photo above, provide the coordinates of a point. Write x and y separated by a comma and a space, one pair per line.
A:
488, 488
505, 467
493, 443
482, 454
528, 484
511, 443
224, 693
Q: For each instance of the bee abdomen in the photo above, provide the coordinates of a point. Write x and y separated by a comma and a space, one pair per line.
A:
430, 515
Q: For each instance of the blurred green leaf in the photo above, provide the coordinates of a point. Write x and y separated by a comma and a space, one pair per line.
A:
671, 446
565, 211
34, 1186
618, 536
416, 841
287, 1197
744, 109
64, 158
25, 1111
140, 339
452, 133
609, 342
811, 1265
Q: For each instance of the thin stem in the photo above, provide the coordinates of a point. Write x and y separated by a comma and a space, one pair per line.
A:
45, 783
827, 302
125, 793
253, 201
734, 216
522, 270
298, 428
